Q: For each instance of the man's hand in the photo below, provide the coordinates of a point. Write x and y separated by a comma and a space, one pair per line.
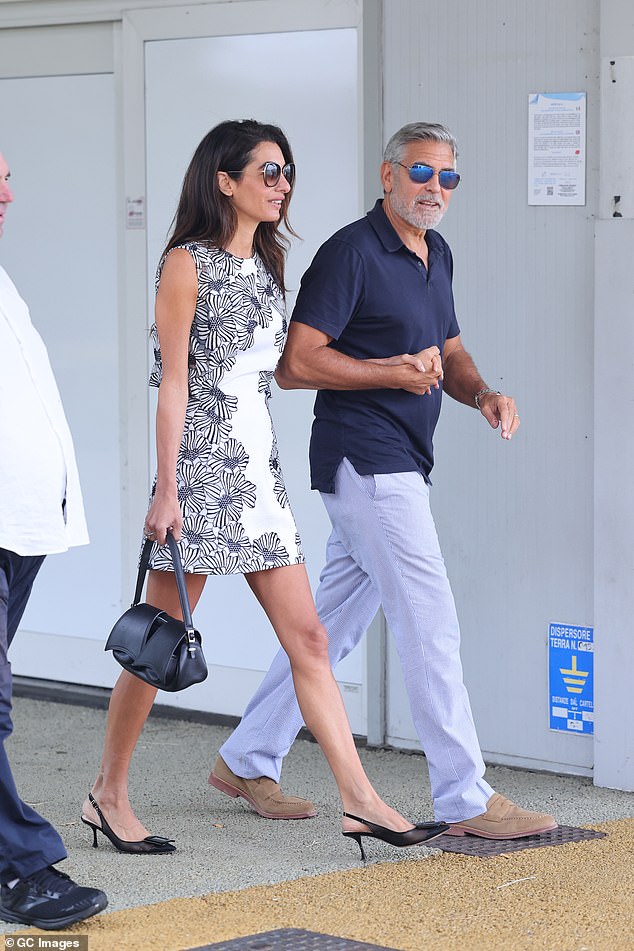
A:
500, 410
462, 381
428, 364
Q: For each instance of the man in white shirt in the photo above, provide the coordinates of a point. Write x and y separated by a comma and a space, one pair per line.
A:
41, 512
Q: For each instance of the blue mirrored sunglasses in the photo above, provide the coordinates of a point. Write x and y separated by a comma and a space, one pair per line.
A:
423, 173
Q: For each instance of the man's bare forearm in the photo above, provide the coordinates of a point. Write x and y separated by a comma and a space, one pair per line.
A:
323, 368
462, 379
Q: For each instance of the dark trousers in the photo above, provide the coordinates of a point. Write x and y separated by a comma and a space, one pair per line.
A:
28, 842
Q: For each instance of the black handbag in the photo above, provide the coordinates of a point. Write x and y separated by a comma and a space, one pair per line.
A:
159, 649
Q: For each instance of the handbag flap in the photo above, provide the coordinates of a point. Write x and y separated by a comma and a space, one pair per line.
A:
131, 630
166, 642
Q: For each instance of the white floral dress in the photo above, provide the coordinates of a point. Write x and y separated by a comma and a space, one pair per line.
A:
236, 513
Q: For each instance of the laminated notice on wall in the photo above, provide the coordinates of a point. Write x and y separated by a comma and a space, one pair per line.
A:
571, 678
135, 214
557, 148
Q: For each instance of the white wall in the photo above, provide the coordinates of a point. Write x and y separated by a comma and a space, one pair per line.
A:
614, 402
59, 247
515, 521
535, 531
298, 67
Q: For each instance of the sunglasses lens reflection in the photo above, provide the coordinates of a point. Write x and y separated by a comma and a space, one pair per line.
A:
271, 172
449, 179
420, 173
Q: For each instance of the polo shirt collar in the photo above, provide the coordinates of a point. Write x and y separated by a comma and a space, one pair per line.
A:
386, 233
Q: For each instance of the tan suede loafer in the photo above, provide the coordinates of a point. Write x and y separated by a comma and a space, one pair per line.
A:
504, 820
263, 794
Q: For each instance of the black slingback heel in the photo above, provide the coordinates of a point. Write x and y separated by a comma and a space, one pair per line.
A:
150, 845
422, 832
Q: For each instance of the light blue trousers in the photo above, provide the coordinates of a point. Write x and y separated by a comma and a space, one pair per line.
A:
383, 550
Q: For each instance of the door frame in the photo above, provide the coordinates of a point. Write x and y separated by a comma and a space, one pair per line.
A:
139, 27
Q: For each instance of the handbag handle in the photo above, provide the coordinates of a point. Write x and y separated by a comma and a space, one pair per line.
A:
178, 574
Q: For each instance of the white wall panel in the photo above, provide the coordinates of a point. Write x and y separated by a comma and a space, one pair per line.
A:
614, 408
614, 513
59, 246
515, 520
57, 50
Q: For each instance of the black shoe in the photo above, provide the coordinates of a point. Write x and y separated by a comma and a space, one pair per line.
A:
49, 899
422, 832
150, 845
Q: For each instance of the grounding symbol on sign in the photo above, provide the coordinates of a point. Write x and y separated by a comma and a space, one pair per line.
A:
571, 678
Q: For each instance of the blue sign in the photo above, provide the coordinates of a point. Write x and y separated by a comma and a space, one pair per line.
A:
571, 678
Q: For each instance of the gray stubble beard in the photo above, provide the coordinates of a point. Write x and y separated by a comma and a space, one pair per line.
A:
417, 214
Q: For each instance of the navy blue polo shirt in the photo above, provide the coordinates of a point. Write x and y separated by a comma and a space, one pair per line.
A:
375, 298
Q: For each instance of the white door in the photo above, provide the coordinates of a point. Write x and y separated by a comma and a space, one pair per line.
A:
306, 82
59, 246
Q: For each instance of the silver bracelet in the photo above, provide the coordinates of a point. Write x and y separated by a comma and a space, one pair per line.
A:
482, 392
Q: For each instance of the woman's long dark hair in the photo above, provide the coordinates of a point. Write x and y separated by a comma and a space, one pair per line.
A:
205, 214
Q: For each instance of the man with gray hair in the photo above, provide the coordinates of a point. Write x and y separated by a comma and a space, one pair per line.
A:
383, 285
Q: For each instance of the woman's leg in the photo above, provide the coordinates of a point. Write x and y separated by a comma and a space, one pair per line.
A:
130, 704
285, 595
346, 601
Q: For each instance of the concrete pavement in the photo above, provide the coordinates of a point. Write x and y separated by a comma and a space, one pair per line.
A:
223, 847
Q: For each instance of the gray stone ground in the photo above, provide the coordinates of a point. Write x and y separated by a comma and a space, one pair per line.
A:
222, 844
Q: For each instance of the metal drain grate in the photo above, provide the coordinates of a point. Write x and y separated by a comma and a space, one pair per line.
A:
475, 845
291, 939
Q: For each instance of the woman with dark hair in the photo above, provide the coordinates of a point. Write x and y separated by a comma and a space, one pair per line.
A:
220, 328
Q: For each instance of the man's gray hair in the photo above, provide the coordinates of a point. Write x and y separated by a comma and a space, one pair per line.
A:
418, 132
